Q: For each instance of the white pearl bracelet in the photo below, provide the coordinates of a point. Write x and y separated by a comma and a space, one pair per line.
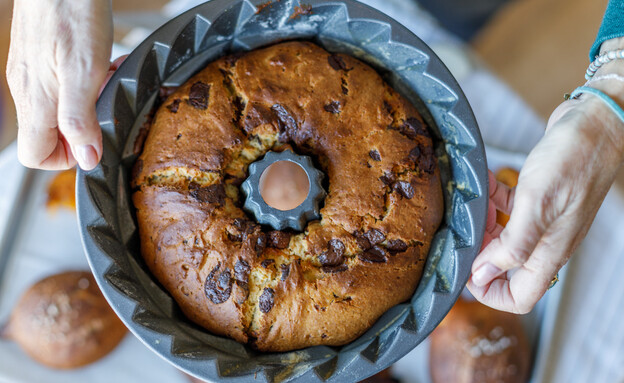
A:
601, 60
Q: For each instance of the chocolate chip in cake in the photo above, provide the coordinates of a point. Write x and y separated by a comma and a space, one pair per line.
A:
139, 141
198, 95
244, 225
233, 180
414, 154
362, 242
233, 58
278, 239
336, 246
334, 254
333, 107
404, 188
260, 243
373, 255
267, 262
173, 107
225, 280
266, 300
214, 194
258, 114
337, 63
320, 308
388, 107
334, 269
413, 127
285, 269
374, 236
218, 286
239, 106
395, 246
388, 178
243, 228
423, 157
344, 87
374, 154
427, 162
166, 91
227, 80
235, 237
287, 123
241, 271
137, 168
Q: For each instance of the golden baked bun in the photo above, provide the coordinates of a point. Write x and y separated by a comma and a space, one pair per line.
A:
61, 191
63, 321
509, 177
280, 290
475, 343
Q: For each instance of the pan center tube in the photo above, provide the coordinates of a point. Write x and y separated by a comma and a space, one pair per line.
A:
284, 191
284, 185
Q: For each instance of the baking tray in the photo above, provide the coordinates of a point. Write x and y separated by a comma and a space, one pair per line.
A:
45, 242
182, 47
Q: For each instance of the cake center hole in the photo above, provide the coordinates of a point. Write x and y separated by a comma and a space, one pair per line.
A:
284, 185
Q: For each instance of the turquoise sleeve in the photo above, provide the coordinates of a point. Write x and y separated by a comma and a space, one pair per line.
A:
612, 26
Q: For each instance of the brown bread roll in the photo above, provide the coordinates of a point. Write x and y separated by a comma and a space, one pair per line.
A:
63, 321
62, 191
477, 344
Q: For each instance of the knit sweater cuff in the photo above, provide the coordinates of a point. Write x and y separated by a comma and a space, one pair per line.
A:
612, 26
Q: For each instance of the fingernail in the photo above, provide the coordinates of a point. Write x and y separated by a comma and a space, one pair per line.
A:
86, 157
485, 274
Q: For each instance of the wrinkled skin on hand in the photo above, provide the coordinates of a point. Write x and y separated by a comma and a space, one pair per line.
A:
560, 189
58, 59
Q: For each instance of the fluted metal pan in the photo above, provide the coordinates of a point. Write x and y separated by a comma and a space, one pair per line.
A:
179, 49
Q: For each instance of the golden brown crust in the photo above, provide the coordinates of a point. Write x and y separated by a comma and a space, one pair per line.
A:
63, 321
330, 283
509, 177
475, 343
61, 191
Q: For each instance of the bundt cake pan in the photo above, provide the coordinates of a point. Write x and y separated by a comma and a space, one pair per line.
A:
182, 47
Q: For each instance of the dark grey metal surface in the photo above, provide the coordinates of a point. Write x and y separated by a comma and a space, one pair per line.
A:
296, 218
182, 47
14, 219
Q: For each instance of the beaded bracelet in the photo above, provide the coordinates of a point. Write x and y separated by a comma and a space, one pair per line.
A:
601, 60
603, 96
610, 76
